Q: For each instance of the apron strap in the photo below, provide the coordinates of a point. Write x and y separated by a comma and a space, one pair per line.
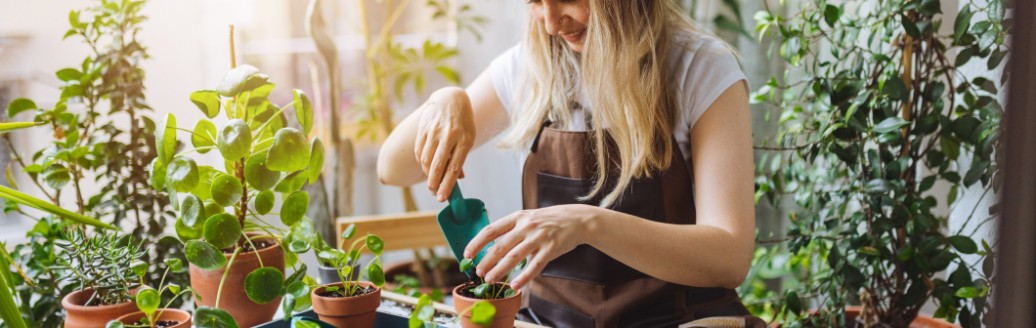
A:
536, 140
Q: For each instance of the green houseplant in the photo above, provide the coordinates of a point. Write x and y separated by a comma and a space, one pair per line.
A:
485, 304
351, 302
878, 111
149, 300
95, 265
237, 259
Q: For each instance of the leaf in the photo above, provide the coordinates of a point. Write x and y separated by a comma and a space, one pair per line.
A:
204, 256
482, 313
961, 24
290, 151
831, 14
450, 74
204, 135
56, 176
206, 317
148, 301
156, 171
895, 89
139, 268
465, 265
241, 78
965, 55
165, 138
480, 290
69, 74
375, 244
192, 210
376, 274
294, 207
963, 244
114, 324
909, 26
264, 201
292, 182
207, 101
222, 230
226, 190
174, 265
264, 285
890, 124
20, 105
257, 175
182, 174
186, 232
301, 322
303, 111
235, 140
299, 246
316, 160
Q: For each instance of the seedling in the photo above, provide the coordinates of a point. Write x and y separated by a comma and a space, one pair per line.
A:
486, 290
148, 300
346, 263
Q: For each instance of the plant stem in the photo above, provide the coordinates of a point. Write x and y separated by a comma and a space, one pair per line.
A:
226, 270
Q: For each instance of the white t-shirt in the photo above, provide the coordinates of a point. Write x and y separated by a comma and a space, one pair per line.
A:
704, 65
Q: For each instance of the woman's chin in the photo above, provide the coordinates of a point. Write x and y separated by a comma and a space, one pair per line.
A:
575, 46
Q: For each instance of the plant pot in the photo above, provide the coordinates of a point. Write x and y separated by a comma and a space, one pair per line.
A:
81, 316
233, 298
356, 311
921, 321
506, 308
453, 277
328, 275
164, 314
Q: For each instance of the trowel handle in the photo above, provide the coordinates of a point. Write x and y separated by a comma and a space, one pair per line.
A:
456, 196
457, 205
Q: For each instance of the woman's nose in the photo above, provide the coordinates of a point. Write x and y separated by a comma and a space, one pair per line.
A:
552, 18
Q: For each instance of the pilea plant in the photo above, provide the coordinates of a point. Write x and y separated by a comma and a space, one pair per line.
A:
263, 157
487, 290
148, 299
347, 262
872, 119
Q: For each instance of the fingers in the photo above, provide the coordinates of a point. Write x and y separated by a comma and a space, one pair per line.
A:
503, 246
489, 233
510, 261
454, 170
428, 151
532, 268
435, 171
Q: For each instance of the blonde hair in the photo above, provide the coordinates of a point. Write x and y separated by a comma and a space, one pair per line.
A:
624, 70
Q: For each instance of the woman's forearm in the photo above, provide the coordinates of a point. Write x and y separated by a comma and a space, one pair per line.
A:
693, 255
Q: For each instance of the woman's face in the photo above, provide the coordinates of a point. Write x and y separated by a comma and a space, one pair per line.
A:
565, 19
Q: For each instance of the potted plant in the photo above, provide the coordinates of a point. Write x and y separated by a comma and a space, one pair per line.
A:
96, 265
237, 259
486, 304
874, 122
350, 302
148, 301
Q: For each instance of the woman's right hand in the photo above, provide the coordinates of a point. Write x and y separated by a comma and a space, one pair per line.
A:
445, 134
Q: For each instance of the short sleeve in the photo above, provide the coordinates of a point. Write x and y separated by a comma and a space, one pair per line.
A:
711, 70
503, 72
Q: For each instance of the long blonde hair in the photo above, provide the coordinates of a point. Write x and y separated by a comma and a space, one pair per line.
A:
624, 70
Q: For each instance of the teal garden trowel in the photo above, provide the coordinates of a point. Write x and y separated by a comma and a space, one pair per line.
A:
460, 222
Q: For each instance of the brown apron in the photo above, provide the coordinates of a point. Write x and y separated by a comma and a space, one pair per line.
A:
585, 287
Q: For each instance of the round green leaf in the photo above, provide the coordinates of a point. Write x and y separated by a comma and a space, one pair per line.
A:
204, 256
157, 172
465, 265
299, 246
349, 231
289, 152
206, 317
114, 324
182, 174
186, 232
264, 284
174, 264
174, 288
191, 210
264, 202
20, 105
303, 111
239, 79
298, 289
303, 322
222, 230
234, 140
375, 244
204, 188
212, 209
204, 136
294, 207
257, 175
139, 268
964, 244
148, 300
207, 101
292, 182
165, 138
226, 190
376, 274
316, 160
482, 313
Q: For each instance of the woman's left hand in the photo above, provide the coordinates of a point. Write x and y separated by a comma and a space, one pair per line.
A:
541, 235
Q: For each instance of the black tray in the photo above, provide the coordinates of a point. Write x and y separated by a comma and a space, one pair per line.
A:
383, 320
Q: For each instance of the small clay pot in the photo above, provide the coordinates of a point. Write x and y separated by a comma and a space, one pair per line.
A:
234, 300
506, 308
356, 311
163, 314
81, 316
921, 321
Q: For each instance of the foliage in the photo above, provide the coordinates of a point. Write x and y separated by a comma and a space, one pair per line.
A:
346, 262
37, 286
97, 262
877, 112
149, 299
488, 290
263, 157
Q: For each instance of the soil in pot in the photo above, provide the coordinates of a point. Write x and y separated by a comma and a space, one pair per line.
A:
234, 300
345, 310
81, 315
167, 318
506, 308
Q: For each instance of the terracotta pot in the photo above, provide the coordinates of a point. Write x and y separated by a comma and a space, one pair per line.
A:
922, 321
233, 298
506, 308
356, 311
163, 314
82, 316
453, 276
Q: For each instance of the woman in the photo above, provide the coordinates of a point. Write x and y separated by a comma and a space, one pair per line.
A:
637, 179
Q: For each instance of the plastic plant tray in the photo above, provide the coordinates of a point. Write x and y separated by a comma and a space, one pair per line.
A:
383, 320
